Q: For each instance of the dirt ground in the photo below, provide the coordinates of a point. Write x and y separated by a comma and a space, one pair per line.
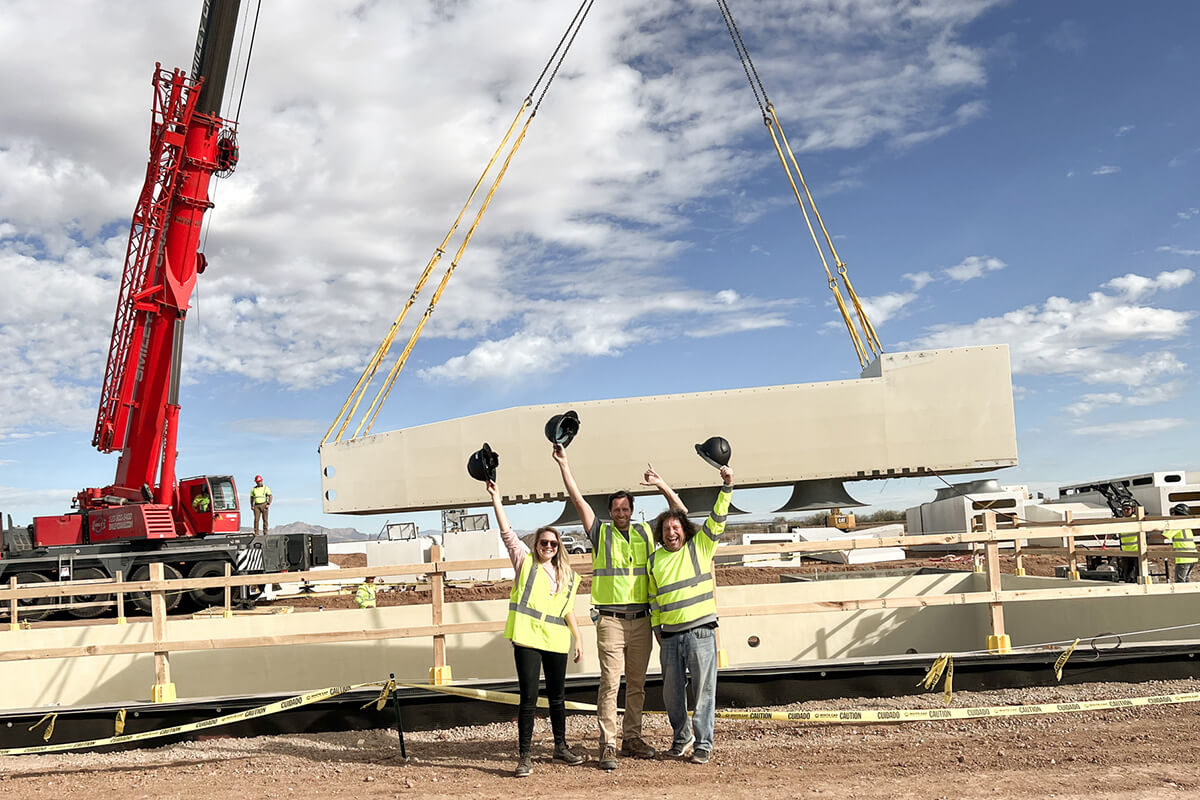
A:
1041, 564
1126, 753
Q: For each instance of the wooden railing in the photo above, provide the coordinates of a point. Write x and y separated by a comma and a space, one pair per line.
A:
990, 539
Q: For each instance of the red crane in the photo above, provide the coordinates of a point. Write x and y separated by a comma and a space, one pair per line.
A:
145, 514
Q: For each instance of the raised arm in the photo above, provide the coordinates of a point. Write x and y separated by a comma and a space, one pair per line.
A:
652, 478
714, 526
516, 548
586, 515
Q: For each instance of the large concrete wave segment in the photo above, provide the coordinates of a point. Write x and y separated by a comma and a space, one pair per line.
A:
947, 411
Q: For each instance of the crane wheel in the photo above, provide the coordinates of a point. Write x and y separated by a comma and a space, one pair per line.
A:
88, 574
28, 608
213, 596
141, 600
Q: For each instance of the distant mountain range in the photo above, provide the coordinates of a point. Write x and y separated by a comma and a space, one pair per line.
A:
334, 534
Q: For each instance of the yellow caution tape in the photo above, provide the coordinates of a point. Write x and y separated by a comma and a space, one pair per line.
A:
384, 694
287, 704
933, 714
944, 663
508, 698
1061, 661
860, 715
53, 717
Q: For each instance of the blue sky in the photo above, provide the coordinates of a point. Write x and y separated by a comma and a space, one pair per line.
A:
1019, 172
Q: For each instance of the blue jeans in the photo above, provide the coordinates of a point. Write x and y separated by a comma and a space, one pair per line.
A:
691, 652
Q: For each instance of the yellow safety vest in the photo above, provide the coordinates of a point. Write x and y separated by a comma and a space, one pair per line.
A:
259, 495
619, 566
1129, 541
537, 618
681, 583
1182, 540
201, 502
365, 596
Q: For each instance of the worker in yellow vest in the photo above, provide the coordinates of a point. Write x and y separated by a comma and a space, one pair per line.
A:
1182, 540
202, 502
364, 596
260, 501
620, 550
683, 613
541, 625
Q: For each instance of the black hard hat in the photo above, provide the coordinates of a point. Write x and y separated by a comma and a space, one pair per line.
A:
715, 450
1180, 510
562, 428
482, 464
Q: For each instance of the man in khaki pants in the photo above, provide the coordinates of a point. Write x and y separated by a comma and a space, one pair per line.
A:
620, 550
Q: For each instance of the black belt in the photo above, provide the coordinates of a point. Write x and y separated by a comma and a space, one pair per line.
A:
624, 614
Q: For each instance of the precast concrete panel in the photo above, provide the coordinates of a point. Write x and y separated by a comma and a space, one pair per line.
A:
945, 411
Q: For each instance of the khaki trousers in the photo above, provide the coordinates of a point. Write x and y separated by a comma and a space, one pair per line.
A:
623, 645
260, 513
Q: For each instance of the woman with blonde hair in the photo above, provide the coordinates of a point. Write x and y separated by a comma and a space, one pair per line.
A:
541, 624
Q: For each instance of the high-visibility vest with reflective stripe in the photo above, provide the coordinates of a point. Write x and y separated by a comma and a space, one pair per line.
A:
259, 495
365, 596
1182, 540
619, 566
1129, 541
537, 618
680, 582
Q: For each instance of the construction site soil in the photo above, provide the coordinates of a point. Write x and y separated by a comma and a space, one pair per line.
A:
1036, 563
1144, 752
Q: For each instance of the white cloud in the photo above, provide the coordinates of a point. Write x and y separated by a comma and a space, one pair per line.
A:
1187, 213
346, 186
1105, 169
1176, 251
883, 307
919, 279
973, 267
1124, 129
1137, 286
1133, 428
1091, 340
1142, 396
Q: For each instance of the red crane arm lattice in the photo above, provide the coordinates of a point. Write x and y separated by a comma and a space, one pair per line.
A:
174, 104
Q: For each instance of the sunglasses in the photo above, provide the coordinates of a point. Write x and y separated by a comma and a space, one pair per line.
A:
548, 543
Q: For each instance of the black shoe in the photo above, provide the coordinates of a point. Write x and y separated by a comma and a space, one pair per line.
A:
608, 758
700, 757
524, 766
563, 753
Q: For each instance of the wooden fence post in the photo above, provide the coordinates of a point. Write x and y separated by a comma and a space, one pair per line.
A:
121, 620
1072, 554
14, 624
228, 591
1018, 552
1142, 557
439, 673
164, 690
998, 641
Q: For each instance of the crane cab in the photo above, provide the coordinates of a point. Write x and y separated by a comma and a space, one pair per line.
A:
209, 503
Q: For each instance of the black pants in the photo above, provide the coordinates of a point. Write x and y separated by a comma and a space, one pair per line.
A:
531, 661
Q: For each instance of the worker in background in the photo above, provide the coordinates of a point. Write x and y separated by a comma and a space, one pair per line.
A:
683, 613
620, 550
541, 625
1128, 568
364, 596
260, 501
202, 502
1182, 540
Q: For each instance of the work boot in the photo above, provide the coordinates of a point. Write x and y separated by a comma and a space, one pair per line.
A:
637, 748
608, 758
563, 753
524, 766
700, 757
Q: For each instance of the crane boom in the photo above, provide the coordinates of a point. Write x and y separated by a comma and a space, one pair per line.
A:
189, 142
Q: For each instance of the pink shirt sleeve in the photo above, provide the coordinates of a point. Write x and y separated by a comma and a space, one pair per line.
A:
516, 548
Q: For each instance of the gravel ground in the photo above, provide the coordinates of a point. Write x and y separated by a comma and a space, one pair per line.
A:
1124, 753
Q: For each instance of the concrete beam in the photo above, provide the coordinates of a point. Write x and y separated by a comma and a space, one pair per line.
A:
945, 411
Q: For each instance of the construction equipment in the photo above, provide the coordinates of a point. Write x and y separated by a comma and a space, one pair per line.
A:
145, 515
